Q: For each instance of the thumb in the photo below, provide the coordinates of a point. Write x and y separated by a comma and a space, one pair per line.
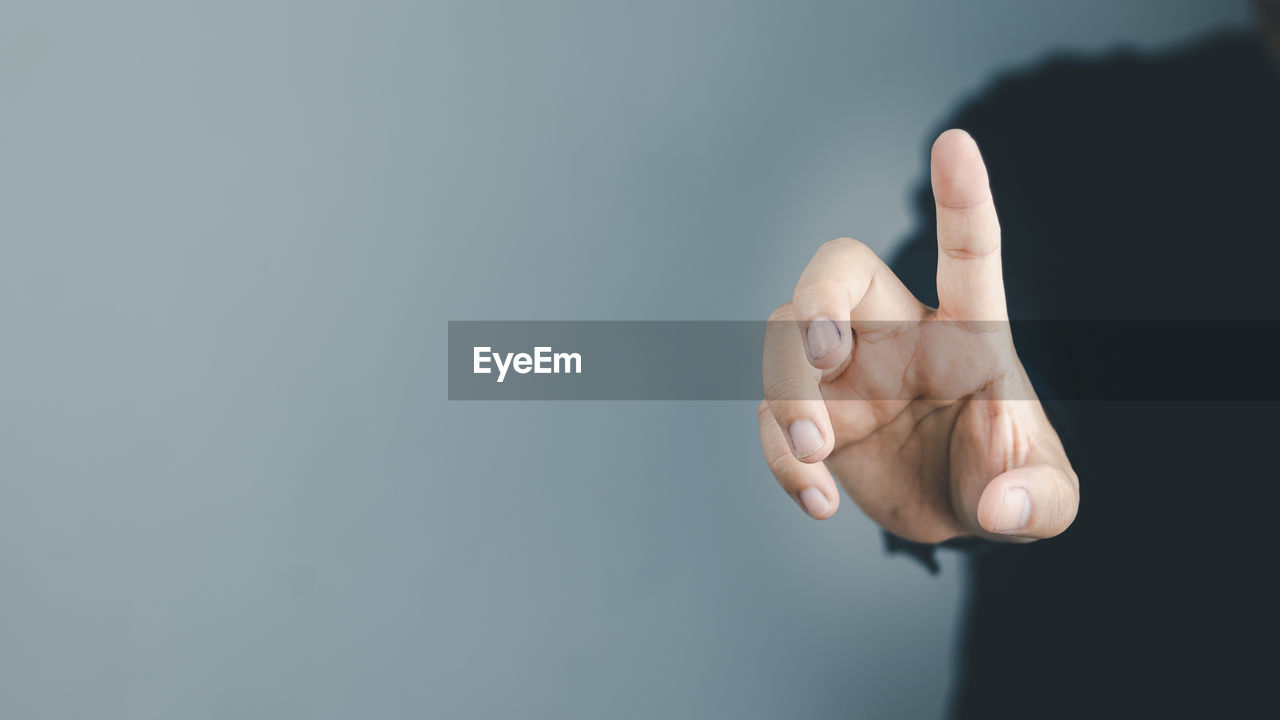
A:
1038, 501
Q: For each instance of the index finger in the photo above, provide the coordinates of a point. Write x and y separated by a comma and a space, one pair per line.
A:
970, 279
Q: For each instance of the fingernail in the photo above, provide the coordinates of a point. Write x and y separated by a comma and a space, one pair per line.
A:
1014, 511
814, 502
806, 439
822, 338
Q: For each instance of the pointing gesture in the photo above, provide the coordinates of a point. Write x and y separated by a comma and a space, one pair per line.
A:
925, 416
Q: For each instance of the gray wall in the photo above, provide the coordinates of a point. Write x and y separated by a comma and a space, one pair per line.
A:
231, 236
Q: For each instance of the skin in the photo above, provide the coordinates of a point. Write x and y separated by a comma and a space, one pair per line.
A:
925, 416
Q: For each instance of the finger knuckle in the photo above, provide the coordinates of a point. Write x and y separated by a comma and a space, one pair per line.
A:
845, 251
782, 312
844, 245
971, 249
779, 463
763, 413
811, 296
784, 389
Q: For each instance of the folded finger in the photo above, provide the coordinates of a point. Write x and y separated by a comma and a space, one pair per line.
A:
791, 388
810, 485
845, 287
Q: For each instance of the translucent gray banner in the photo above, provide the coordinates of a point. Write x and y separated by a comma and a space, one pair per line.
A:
722, 360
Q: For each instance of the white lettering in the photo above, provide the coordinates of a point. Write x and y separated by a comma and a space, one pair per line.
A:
481, 358
571, 360
502, 367
542, 362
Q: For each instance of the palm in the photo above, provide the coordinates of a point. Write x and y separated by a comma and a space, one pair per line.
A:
925, 417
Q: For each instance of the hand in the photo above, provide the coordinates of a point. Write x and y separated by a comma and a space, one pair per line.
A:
926, 417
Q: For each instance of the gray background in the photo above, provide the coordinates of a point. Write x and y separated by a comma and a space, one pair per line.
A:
231, 235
